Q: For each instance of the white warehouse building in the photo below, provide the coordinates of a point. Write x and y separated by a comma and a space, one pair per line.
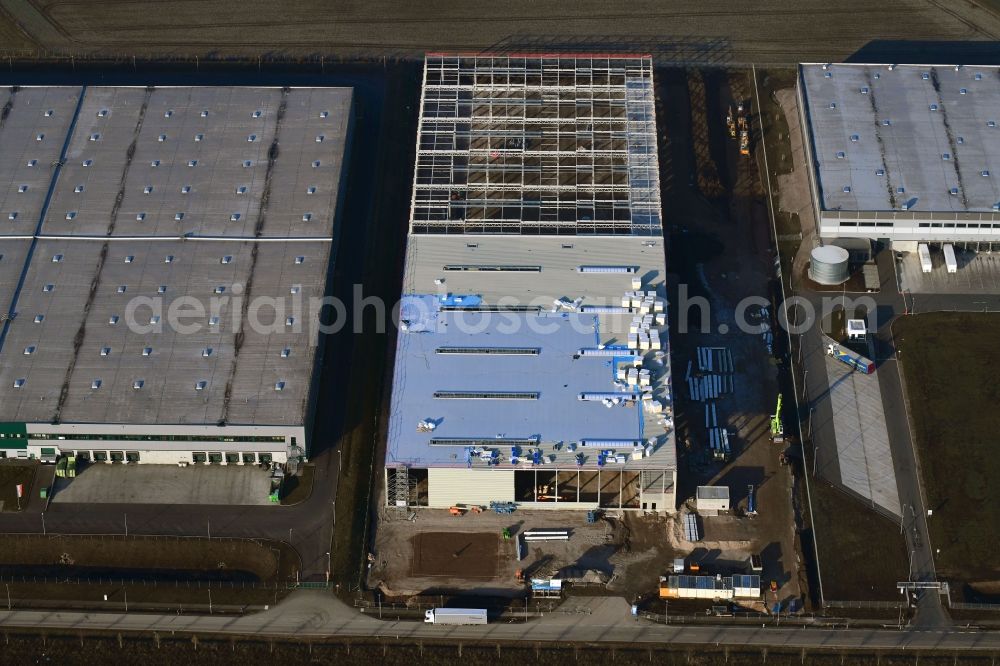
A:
908, 153
532, 365
139, 223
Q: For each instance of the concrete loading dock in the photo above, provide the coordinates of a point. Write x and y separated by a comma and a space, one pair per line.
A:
161, 484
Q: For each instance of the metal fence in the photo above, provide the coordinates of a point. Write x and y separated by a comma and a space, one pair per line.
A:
736, 618
963, 605
876, 605
429, 602
145, 582
132, 537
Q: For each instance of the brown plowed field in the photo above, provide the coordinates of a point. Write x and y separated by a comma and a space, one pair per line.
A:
705, 32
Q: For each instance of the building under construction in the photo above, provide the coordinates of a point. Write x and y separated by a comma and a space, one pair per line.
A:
141, 226
532, 366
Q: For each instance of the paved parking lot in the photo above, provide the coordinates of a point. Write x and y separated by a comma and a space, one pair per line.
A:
165, 484
978, 273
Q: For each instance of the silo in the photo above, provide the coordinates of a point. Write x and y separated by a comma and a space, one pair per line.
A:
828, 265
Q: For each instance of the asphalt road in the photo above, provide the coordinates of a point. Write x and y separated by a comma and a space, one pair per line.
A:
930, 611
311, 614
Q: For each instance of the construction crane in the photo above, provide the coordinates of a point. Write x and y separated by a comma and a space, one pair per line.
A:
777, 428
731, 123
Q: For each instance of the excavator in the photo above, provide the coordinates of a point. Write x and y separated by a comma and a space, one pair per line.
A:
777, 427
743, 125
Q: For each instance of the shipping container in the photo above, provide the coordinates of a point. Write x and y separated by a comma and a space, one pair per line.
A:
925, 257
455, 616
950, 262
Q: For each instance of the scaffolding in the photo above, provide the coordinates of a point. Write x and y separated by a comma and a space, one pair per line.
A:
399, 487
537, 145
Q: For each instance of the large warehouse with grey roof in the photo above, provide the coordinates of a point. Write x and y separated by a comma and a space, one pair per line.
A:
532, 365
903, 152
159, 251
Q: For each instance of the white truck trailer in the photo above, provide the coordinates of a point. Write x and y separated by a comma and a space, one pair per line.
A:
950, 262
925, 257
455, 616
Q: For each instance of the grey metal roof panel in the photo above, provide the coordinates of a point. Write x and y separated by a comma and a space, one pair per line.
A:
916, 124
12, 256
106, 157
559, 260
25, 120
208, 154
176, 361
45, 370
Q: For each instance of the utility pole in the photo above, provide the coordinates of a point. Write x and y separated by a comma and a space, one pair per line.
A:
8, 595
126, 524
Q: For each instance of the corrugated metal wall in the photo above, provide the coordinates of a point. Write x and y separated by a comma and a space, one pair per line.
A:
712, 504
447, 486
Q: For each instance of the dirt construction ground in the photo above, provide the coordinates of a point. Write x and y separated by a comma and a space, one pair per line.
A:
711, 32
459, 554
437, 552
721, 251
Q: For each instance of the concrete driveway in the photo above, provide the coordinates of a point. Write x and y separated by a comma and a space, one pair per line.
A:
100, 483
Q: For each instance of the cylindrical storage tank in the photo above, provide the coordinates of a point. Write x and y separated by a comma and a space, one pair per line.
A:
828, 264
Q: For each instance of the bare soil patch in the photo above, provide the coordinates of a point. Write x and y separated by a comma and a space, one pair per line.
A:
455, 554
13, 473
